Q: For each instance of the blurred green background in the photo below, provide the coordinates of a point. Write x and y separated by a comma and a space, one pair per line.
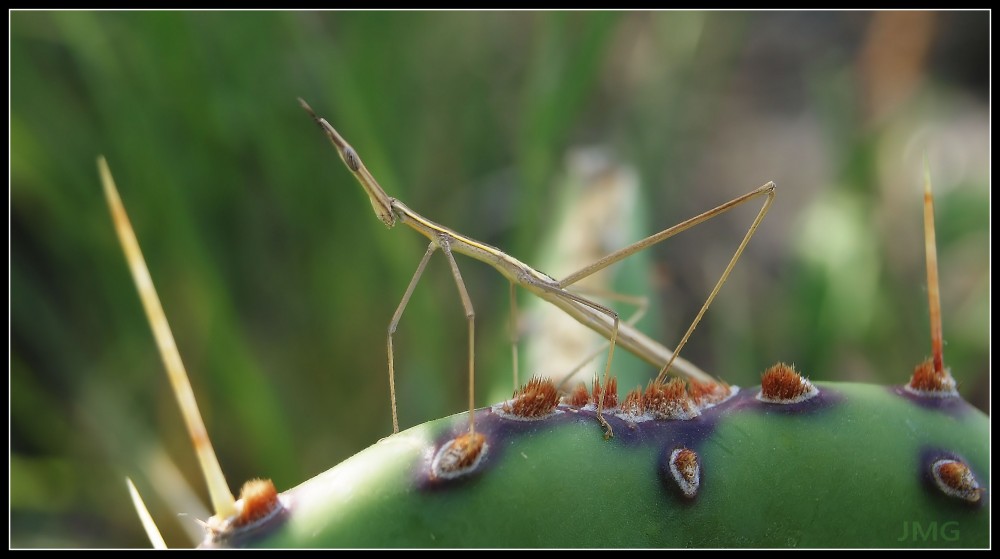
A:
279, 282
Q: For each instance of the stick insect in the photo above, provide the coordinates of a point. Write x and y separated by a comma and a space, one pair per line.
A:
595, 316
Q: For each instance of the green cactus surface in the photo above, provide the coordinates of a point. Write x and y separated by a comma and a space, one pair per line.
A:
849, 468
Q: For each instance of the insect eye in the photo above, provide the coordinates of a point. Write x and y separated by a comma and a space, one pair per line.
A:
351, 158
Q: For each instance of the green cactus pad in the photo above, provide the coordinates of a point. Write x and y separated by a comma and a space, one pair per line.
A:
849, 468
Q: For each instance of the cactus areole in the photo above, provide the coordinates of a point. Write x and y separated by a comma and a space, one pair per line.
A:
852, 466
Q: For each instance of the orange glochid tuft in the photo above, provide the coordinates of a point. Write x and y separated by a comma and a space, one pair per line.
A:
929, 381
686, 471
610, 391
459, 454
955, 479
579, 396
781, 384
634, 404
707, 393
538, 398
260, 500
669, 400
